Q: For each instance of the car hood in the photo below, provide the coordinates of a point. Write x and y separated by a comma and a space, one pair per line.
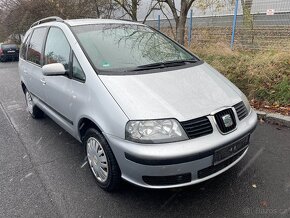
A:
183, 94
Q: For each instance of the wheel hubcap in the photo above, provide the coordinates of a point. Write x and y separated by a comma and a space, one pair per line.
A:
29, 102
97, 159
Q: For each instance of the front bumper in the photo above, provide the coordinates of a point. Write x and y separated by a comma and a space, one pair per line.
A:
180, 163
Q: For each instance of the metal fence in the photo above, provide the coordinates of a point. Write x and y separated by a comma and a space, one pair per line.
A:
267, 26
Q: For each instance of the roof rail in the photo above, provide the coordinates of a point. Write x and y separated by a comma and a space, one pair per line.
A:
45, 20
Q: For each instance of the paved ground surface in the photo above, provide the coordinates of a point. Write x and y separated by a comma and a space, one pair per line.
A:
42, 174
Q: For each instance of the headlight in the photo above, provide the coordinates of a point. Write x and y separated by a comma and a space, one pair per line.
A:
155, 131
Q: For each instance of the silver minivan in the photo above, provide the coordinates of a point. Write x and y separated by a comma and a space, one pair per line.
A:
146, 109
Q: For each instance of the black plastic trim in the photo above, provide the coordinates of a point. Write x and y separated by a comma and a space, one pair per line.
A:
197, 127
157, 162
167, 180
241, 110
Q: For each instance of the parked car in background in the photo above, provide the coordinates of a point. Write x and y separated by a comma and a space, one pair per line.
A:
145, 108
9, 51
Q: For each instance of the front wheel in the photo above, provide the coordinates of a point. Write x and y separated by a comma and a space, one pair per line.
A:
33, 110
102, 161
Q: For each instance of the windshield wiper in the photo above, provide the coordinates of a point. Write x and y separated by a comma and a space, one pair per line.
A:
151, 66
164, 64
181, 61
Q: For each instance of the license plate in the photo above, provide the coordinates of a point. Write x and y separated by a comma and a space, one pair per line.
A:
10, 51
230, 150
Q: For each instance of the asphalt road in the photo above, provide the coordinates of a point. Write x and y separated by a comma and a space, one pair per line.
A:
42, 174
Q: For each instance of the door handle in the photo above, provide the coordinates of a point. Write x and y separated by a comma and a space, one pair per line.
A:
43, 81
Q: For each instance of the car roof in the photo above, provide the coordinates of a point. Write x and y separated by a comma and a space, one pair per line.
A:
78, 22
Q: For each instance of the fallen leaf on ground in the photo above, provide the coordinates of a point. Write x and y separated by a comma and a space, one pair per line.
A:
264, 203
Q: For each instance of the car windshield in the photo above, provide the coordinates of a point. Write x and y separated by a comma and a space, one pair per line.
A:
113, 47
8, 46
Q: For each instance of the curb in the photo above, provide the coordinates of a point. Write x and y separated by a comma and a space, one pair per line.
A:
274, 118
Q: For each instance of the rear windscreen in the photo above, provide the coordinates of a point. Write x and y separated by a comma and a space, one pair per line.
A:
8, 46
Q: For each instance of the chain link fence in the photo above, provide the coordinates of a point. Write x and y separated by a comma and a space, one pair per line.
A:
260, 24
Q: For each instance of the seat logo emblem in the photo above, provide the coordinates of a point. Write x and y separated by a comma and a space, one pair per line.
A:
227, 119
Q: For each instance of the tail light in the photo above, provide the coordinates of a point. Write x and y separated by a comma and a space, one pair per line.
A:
1, 51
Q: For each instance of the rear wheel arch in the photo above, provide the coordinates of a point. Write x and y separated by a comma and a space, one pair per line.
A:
23, 86
33, 110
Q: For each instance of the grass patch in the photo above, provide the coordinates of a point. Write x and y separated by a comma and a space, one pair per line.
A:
261, 75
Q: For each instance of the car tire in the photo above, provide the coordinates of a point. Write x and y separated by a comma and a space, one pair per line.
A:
33, 110
102, 161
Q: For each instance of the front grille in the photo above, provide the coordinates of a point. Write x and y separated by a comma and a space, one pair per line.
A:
215, 168
241, 110
221, 122
167, 180
197, 127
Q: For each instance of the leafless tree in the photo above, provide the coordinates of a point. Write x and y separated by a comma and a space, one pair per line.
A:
180, 12
17, 15
104, 8
130, 7
179, 16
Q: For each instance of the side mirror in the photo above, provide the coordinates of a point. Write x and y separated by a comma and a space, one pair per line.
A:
56, 69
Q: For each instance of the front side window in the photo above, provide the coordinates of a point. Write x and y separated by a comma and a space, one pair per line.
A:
35, 46
125, 46
57, 49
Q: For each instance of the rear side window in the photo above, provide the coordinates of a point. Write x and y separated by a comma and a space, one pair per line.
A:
35, 45
57, 48
23, 49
